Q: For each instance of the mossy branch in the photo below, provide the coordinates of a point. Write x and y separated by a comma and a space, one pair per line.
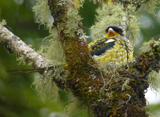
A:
89, 83
111, 91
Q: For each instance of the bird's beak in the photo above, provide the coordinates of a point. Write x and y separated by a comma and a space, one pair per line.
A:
111, 33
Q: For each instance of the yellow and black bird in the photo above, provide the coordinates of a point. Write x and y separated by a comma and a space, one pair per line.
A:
114, 47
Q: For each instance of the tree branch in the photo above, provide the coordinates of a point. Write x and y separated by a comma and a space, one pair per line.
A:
16, 46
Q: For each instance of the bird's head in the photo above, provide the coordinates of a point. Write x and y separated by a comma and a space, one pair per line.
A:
114, 30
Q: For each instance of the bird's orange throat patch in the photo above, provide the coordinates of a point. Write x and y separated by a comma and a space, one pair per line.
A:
112, 33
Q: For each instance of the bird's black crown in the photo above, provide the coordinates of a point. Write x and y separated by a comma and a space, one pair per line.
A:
116, 28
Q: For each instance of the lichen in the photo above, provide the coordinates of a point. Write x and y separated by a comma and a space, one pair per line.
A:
109, 71
21, 60
45, 87
42, 12
97, 1
52, 49
72, 23
76, 107
126, 83
146, 47
107, 15
111, 14
3, 22
149, 6
133, 26
62, 2
71, 107
154, 80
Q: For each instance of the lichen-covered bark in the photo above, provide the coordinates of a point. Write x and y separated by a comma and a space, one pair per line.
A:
136, 3
15, 45
80, 64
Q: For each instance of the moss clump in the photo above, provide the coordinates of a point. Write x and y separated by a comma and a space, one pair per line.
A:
146, 47
42, 12
149, 6
46, 87
154, 80
52, 49
21, 60
72, 23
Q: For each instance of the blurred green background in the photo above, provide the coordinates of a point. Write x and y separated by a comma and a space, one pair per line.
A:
17, 98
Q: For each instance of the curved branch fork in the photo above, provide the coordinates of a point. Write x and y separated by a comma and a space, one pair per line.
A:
104, 93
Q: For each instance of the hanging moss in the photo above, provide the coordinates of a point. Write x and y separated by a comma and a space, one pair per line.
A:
76, 107
45, 87
107, 15
112, 14
154, 80
133, 26
42, 12
150, 6
72, 23
52, 49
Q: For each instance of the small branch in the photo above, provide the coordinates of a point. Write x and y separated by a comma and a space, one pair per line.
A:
124, 23
16, 46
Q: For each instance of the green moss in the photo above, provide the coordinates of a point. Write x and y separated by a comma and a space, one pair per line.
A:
154, 80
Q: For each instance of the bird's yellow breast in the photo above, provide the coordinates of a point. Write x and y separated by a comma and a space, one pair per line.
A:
113, 49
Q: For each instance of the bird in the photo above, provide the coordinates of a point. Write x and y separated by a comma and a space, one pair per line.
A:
114, 47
